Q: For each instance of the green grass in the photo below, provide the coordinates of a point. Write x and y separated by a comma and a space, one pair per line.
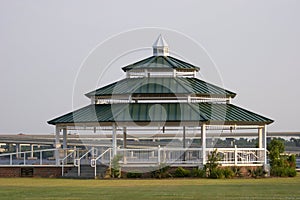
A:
37, 188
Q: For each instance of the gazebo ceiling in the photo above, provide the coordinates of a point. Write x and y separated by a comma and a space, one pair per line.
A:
162, 85
162, 113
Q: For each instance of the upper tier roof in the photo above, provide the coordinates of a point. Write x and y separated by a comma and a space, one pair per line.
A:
165, 85
161, 62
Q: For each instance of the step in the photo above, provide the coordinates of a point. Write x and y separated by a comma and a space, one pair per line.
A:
86, 171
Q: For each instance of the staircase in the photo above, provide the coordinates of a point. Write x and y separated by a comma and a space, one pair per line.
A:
87, 172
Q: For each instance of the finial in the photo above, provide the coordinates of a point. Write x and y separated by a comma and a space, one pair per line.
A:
160, 47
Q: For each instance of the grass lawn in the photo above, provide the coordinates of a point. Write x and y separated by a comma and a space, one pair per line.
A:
37, 188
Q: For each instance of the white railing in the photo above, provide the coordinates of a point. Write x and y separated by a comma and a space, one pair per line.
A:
160, 155
240, 156
37, 157
105, 159
66, 160
90, 154
190, 156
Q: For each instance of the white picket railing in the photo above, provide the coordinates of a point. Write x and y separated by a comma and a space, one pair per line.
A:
37, 157
136, 157
190, 156
240, 156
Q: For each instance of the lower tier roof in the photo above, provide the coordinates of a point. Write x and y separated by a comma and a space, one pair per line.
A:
209, 113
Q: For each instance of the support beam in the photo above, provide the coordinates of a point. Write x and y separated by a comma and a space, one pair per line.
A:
264, 133
65, 145
183, 143
31, 150
183, 137
18, 150
260, 137
124, 137
57, 144
203, 138
114, 140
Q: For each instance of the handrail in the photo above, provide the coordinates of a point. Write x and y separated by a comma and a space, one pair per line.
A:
62, 161
77, 161
94, 161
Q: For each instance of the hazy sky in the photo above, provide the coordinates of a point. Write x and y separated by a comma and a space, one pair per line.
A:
255, 45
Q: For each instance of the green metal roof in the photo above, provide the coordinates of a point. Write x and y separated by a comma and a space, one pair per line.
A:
166, 85
161, 62
163, 112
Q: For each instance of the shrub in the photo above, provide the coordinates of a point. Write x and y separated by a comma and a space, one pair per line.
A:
237, 171
217, 173
284, 171
281, 165
256, 173
228, 173
292, 161
134, 175
200, 173
115, 166
212, 162
162, 172
180, 172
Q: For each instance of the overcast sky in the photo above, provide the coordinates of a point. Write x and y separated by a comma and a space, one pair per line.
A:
255, 45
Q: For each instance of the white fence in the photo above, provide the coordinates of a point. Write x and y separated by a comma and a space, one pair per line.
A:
150, 156
191, 156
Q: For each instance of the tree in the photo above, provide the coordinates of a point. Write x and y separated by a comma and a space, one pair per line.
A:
281, 165
212, 163
275, 148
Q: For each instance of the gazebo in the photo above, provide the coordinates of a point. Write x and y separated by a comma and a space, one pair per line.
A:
161, 94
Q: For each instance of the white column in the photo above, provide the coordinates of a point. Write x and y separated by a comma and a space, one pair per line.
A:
183, 138
260, 137
57, 144
203, 138
65, 138
124, 137
183, 143
18, 149
264, 133
31, 150
114, 139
